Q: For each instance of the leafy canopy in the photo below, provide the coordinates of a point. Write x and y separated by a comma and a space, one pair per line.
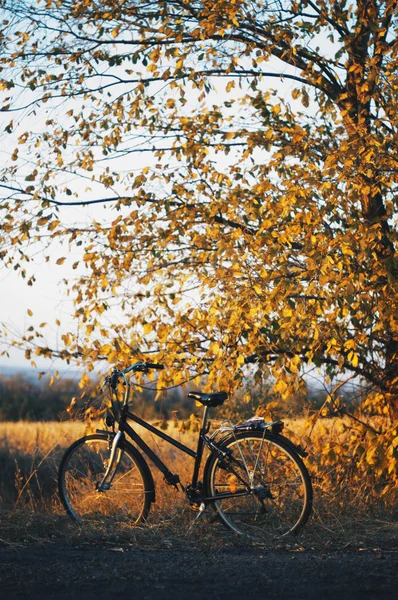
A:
244, 154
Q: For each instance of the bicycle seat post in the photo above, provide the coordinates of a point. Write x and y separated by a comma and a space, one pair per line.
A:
204, 419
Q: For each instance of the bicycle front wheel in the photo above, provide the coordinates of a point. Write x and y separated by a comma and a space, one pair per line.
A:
128, 499
271, 486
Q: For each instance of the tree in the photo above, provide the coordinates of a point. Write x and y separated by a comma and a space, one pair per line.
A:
256, 224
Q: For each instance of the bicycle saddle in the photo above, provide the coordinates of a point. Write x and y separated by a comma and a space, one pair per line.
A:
215, 399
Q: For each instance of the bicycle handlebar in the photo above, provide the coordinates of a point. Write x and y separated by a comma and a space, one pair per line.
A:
157, 366
137, 367
142, 367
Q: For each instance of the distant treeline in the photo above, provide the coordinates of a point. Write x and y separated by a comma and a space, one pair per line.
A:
24, 398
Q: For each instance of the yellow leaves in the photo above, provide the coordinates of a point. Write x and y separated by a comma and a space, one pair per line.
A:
372, 454
353, 359
347, 250
155, 54
355, 68
8, 228
66, 338
350, 344
266, 224
247, 397
215, 349
152, 68
53, 225
43, 221
230, 85
30, 313
115, 32
294, 364
240, 361
32, 175
60, 261
167, 74
276, 109
305, 98
281, 387
84, 381
229, 135
147, 328
106, 349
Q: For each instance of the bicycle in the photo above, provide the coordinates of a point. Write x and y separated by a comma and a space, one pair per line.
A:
254, 478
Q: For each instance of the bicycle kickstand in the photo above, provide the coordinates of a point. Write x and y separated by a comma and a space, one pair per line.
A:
202, 508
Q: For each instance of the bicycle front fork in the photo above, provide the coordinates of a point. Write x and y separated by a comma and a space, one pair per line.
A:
105, 485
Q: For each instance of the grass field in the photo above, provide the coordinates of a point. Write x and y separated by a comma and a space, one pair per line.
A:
30, 454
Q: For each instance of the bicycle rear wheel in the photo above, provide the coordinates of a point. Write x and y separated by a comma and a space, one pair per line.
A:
275, 488
82, 468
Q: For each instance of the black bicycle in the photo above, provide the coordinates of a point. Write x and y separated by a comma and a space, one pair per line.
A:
254, 478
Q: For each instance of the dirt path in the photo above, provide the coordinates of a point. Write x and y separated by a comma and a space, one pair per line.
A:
63, 571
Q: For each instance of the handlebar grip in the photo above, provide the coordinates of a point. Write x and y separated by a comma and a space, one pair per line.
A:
113, 379
154, 366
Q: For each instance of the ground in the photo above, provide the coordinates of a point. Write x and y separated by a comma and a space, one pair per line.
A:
163, 567
346, 551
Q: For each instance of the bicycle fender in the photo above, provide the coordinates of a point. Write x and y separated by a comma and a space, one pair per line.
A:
290, 444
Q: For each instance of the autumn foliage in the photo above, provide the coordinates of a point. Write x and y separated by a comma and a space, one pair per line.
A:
244, 157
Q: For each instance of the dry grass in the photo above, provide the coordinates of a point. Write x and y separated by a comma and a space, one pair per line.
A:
30, 509
30, 454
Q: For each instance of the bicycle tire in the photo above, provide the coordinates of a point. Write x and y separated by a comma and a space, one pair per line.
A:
282, 501
83, 465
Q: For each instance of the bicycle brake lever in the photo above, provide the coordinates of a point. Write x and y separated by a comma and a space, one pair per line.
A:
104, 383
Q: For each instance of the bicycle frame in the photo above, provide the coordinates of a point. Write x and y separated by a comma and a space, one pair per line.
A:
171, 478
121, 415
